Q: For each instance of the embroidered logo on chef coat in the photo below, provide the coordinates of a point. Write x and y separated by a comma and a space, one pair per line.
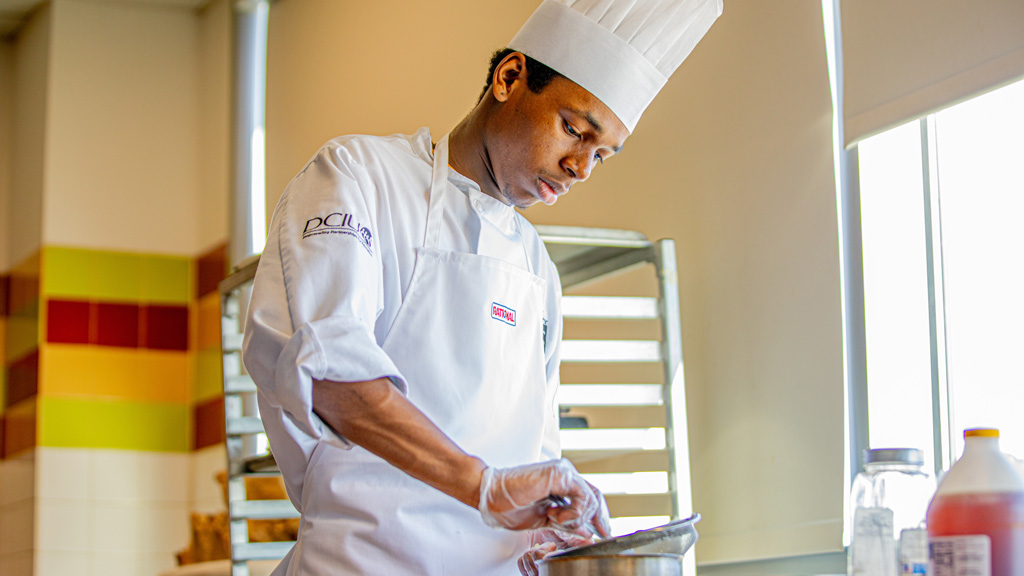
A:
503, 313
339, 223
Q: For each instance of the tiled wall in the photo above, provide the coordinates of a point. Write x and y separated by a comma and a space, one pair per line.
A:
112, 414
208, 392
21, 358
19, 321
17, 514
114, 366
103, 512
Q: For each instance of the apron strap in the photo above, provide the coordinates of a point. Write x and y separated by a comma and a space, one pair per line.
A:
435, 204
438, 186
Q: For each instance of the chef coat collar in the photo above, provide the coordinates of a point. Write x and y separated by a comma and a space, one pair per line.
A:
500, 215
497, 213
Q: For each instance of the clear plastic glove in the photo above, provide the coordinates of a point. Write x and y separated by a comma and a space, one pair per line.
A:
544, 542
518, 499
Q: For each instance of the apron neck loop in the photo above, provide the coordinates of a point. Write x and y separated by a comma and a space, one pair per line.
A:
435, 204
438, 186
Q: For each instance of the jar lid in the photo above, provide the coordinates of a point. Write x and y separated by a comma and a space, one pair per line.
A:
894, 455
982, 432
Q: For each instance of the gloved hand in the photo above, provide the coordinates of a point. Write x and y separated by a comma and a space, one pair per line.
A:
517, 498
544, 542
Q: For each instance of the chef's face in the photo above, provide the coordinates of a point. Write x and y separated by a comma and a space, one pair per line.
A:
540, 144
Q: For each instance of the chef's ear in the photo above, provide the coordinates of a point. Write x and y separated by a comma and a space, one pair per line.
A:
509, 75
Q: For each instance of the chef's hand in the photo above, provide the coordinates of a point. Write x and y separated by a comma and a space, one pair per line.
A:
544, 542
517, 498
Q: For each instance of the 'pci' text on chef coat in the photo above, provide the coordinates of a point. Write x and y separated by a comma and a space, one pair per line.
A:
337, 268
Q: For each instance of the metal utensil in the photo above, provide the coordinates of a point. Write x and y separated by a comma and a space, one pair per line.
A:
673, 538
558, 501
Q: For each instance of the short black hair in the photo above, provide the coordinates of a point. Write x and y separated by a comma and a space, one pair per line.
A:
540, 75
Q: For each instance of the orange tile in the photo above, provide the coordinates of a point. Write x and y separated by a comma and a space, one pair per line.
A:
167, 375
75, 371
208, 321
19, 427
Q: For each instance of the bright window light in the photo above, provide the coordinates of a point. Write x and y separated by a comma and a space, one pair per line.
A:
978, 273
259, 191
896, 290
982, 193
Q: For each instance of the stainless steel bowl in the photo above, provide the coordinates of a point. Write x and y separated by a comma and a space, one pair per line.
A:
672, 538
653, 552
613, 565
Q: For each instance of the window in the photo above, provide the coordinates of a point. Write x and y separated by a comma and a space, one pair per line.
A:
942, 201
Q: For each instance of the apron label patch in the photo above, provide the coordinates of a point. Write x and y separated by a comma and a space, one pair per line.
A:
503, 313
339, 223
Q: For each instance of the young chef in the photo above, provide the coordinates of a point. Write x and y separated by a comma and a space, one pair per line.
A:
404, 325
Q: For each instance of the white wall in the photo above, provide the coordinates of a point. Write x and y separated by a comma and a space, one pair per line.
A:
214, 148
733, 160
6, 117
31, 77
123, 137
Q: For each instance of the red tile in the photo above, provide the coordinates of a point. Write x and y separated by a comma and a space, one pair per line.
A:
208, 419
117, 325
5, 289
22, 378
165, 327
67, 322
212, 267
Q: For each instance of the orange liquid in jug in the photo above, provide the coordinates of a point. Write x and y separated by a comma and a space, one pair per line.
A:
1000, 516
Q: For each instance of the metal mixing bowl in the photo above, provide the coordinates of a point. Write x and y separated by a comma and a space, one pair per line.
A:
613, 565
653, 552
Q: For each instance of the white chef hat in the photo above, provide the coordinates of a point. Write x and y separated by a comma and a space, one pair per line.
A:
621, 51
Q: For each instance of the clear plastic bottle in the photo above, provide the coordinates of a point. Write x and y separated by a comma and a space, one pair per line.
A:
888, 501
976, 519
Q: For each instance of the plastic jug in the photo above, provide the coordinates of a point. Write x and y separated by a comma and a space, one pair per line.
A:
976, 518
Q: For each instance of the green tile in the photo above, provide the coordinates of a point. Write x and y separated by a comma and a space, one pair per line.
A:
67, 272
22, 337
209, 382
77, 423
116, 276
166, 279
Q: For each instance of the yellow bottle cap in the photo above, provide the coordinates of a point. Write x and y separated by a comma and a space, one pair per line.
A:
983, 432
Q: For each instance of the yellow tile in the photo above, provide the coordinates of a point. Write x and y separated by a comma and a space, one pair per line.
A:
22, 336
209, 380
138, 375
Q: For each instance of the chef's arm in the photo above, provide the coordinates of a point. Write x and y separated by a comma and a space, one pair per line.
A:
378, 417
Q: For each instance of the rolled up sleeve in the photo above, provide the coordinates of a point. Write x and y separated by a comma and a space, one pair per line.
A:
317, 293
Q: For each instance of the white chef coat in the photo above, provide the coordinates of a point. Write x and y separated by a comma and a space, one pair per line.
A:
354, 217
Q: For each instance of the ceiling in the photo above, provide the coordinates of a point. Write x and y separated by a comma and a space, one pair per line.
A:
14, 12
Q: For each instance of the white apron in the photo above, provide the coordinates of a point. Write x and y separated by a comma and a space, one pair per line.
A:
468, 340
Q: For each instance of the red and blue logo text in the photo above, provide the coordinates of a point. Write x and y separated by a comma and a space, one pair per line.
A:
503, 313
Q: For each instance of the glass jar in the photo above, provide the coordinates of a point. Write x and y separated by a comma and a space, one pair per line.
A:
888, 503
